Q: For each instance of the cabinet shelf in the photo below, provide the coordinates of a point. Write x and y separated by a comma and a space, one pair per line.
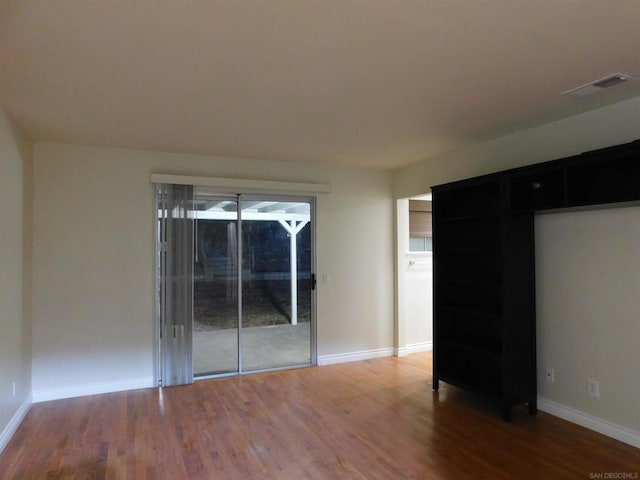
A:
471, 249
483, 200
472, 217
481, 281
483, 346
472, 310
470, 297
473, 370
469, 264
609, 175
476, 311
604, 181
486, 384
538, 189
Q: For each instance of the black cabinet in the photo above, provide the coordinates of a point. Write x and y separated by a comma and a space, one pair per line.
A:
483, 293
537, 189
484, 283
605, 176
600, 177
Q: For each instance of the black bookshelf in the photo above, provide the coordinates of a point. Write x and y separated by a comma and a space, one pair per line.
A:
484, 265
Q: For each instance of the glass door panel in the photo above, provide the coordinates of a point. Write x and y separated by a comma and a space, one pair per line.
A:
252, 291
276, 283
215, 285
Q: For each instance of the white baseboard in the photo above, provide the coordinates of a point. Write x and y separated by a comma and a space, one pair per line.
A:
91, 389
15, 422
599, 425
413, 348
354, 356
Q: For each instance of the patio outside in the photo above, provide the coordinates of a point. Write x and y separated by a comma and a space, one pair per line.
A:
274, 333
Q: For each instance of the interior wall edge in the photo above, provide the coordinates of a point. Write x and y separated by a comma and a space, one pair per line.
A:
591, 422
11, 427
45, 395
333, 359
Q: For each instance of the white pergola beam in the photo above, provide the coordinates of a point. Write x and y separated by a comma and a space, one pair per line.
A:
280, 207
255, 216
213, 204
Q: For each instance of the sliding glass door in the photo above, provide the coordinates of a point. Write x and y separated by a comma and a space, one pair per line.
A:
276, 283
252, 283
216, 318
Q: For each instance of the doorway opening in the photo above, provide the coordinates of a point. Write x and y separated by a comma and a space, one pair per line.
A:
413, 332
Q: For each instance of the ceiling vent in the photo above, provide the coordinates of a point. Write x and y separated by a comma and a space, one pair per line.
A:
599, 85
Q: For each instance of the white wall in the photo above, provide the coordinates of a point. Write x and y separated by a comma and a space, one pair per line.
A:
93, 323
618, 123
559, 317
420, 304
588, 286
16, 153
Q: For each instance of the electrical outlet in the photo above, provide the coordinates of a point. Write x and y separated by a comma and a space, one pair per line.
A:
593, 387
551, 375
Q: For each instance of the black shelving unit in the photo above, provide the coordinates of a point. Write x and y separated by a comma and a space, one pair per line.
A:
484, 282
483, 293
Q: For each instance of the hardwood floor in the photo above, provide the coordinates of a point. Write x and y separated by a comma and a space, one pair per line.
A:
375, 419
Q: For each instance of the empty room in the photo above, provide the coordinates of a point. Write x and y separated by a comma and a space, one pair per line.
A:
299, 239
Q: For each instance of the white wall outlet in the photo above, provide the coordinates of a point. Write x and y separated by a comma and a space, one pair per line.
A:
325, 278
593, 387
551, 375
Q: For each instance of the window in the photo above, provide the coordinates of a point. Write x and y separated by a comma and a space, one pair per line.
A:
420, 231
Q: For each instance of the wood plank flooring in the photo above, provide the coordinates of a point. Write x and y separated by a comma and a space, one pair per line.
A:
375, 419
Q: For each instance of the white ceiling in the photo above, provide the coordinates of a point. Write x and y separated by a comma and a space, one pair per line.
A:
379, 83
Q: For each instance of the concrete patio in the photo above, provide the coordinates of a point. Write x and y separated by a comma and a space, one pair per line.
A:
215, 351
